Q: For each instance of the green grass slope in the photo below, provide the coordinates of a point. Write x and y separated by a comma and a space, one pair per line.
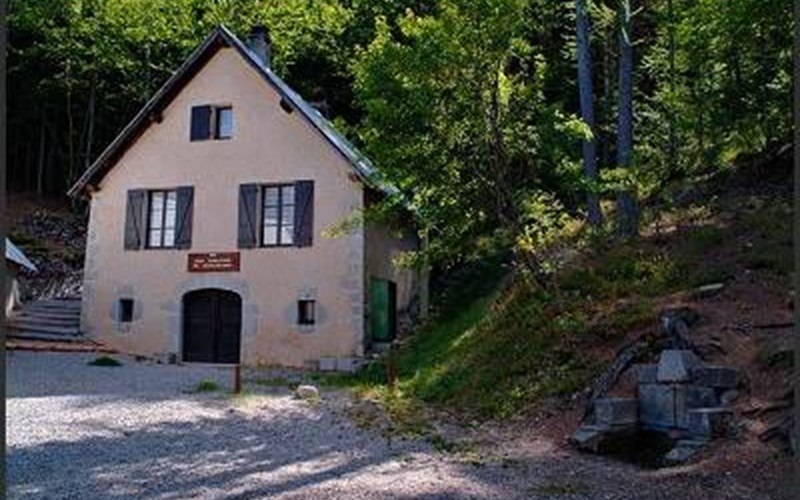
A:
496, 346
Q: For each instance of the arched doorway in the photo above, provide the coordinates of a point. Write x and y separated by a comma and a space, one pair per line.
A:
212, 326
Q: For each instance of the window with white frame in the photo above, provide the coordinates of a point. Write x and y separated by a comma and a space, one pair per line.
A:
278, 215
162, 218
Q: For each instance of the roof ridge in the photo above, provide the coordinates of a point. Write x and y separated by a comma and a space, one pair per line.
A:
362, 166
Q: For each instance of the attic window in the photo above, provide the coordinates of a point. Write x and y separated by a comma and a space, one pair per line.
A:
211, 122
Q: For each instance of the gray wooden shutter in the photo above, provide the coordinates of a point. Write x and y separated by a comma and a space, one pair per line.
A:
185, 204
135, 217
248, 206
304, 213
201, 123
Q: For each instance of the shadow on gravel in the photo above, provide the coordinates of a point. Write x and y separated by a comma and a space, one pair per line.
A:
237, 454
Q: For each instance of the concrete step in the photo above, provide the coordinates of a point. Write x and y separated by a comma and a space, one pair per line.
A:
27, 335
38, 326
50, 320
72, 316
71, 306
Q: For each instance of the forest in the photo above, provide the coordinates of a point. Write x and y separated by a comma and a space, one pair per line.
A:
500, 121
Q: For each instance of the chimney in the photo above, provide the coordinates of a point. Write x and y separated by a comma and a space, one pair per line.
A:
259, 43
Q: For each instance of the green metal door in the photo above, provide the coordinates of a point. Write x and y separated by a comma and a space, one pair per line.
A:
382, 310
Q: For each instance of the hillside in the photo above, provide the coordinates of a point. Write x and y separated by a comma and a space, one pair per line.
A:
497, 351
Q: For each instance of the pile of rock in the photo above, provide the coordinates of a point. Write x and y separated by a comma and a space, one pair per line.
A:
679, 396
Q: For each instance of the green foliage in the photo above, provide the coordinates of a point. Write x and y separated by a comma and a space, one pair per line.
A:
207, 386
729, 90
455, 116
104, 361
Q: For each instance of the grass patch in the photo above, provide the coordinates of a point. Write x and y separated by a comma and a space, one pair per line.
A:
104, 361
488, 353
207, 386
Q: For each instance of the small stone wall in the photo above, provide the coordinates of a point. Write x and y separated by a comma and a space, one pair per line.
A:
679, 396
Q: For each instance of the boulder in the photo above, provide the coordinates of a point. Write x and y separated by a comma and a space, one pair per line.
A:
718, 377
677, 365
307, 392
616, 412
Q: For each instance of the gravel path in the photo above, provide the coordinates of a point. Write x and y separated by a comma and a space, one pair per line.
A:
137, 431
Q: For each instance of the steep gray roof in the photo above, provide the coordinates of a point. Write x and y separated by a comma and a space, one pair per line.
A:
222, 37
14, 254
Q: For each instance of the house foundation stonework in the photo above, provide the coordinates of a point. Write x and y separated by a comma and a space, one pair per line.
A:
208, 237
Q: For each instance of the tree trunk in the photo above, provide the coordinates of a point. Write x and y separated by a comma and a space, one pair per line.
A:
90, 131
40, 166
605, 141
626, 200
673, 146
70, 144
589, 147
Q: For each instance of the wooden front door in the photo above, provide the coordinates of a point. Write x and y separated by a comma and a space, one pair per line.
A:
383, 310
212, 324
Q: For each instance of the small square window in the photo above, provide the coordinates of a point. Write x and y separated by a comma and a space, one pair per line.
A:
224, 123
125, 310
306, 312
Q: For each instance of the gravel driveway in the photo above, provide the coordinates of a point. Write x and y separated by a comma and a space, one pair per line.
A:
137, 431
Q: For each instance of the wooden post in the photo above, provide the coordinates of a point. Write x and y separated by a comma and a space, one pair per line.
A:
237, 379
391, 372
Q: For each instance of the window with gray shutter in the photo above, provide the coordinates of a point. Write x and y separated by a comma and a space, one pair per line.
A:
248, 205
135, 219
211, 122
183, 233
304, 213
201, 123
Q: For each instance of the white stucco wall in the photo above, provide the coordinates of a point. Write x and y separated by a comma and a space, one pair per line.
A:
269, 145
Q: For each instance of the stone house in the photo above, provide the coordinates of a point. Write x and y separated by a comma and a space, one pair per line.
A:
211, 233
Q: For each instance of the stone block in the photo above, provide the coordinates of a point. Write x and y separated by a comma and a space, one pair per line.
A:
708, 291
616, 412
718, 377
348, 365
700, 397
327, 364
728, 397
683, 452
656, 406
646, 374
589, 437
709, 422
676, 365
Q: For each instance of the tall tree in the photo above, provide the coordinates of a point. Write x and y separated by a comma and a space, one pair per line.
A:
627, 207
585, 87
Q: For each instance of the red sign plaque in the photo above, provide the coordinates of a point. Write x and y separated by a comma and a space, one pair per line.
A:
214, 262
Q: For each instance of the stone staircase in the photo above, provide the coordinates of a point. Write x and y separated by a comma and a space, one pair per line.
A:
47, 320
